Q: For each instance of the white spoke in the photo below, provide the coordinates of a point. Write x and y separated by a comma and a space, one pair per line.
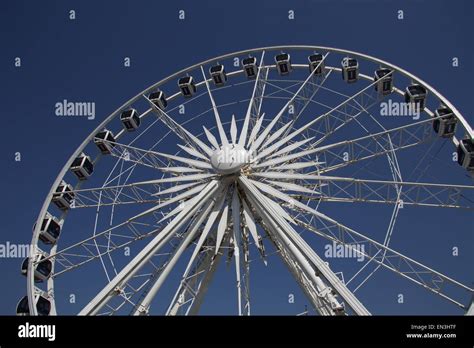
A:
250, 222
222, 227
174, 189
292, 187
222, 134
374, 145
178, 209
193, 152
255, 130
268, 129
116, 283
211, 138
144, 305
207, 265
417, 193
256, 94
177, 198
291, 147
181, 178
134, 154
180, 130
298, 165
237, 242
233, 130
385, 256
295, 133
191, 162
276, 135
297, 245
207, 228
283, 159
180, 170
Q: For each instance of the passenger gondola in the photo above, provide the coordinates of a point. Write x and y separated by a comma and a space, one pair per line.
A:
130, 119
283, 63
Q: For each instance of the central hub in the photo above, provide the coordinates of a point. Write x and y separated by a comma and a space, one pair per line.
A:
229, 159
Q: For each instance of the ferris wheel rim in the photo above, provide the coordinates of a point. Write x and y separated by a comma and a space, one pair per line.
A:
87, 140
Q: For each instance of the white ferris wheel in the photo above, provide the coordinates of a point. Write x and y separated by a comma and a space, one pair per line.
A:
249, 157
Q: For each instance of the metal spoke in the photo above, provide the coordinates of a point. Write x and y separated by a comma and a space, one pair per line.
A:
411, 193
408, 268
255, 103
322, 118
304, 253
179, 130
223, 136
151, 158
354, 190
110, 289
182, 290
260, 139
190, 294
374, 145
144, 305
237, 242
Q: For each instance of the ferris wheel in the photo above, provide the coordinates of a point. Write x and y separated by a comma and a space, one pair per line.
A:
250, 157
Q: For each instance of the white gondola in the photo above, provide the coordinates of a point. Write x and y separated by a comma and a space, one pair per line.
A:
82, 166
218, 74
416, 95
445, 122
105, 141
130, 119
283, 63
50, 229
465, 152
43, 305
249, 65
384, 81
316, 63
63, 198
158, 98
350, 69
187, 86
43, 268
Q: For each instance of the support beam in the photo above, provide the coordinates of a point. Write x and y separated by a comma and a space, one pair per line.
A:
304, 252
395, 261
143, 307
322, 119
180, 131
115, 286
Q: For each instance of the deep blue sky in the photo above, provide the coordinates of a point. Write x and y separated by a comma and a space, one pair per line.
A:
83, 60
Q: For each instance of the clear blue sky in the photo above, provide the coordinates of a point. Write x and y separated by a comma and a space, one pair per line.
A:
83, 60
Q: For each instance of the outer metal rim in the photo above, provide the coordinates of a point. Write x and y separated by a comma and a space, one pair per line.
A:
34, 241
